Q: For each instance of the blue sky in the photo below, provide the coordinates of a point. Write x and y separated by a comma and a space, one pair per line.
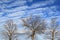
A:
17, 9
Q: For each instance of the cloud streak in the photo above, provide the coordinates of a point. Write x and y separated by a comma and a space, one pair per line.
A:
16, 9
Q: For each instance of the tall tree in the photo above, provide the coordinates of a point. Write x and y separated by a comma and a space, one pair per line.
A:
35, 24
52, 32
10, 29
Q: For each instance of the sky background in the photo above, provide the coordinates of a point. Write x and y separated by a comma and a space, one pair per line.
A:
17, 9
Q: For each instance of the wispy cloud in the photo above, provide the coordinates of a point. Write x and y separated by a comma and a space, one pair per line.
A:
18, 8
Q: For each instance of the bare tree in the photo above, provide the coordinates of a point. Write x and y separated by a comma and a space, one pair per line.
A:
35, 24
9, 32
52, 32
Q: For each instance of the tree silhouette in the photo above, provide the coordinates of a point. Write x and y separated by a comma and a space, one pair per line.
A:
52, 32
35, 24
9, 32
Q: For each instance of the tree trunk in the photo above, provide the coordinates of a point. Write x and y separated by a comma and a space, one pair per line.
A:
33, 37
33, 34
53, 34
9, 38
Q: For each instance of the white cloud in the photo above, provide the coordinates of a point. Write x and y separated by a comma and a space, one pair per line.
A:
3, 20
17, 3
16, 14
21, 8
43, 3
